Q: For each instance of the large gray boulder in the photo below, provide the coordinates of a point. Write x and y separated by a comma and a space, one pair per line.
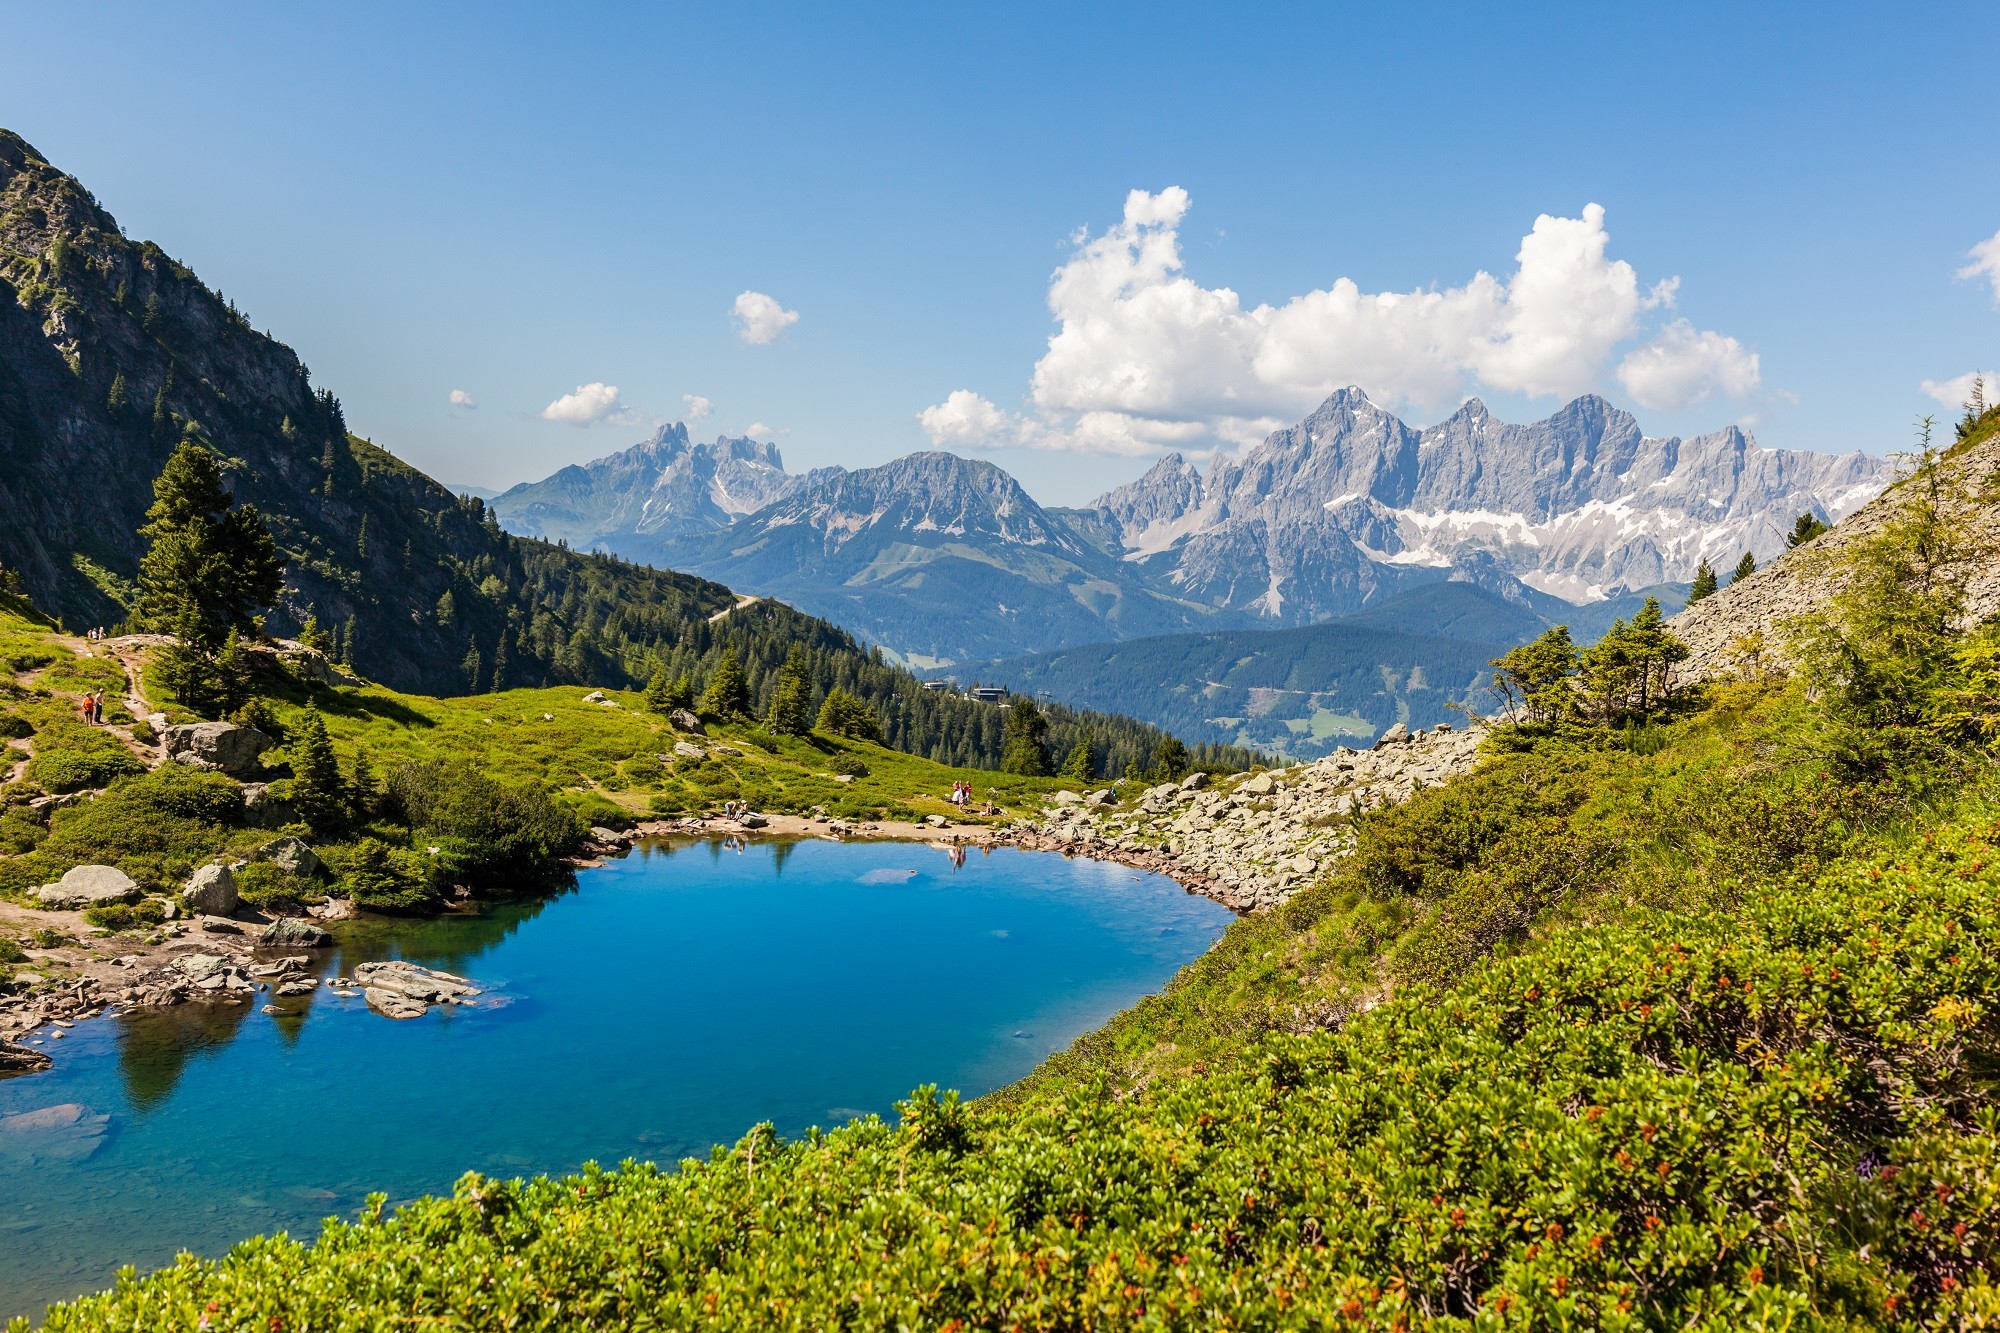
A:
292, 932
291, 856
221, 747
264, 808
88, 886
683, 720
211, 891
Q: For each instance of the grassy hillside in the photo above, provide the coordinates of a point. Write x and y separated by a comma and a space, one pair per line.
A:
484, 767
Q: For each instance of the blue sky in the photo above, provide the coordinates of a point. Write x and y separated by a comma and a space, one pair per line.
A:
516, 201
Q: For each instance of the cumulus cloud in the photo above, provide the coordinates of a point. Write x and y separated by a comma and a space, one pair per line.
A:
1683, 366
760, 320
590, 404
757, 429
1956, 392
1985, 258
695, 407
1145, 358
460, 398
968, 421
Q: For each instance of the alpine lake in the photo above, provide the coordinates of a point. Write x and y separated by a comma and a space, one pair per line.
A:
666, 1002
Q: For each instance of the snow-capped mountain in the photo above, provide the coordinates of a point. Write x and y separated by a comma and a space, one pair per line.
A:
663, 488
1314, 521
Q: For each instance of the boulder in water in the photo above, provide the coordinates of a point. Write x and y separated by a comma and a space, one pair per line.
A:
292, 932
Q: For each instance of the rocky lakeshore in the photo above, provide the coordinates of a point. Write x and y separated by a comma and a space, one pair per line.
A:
1252, 842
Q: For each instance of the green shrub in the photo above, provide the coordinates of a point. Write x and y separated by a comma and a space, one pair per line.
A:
21, 830
48, 937
264, 885
142, 732
383, 878
71, 756
11, 950
487, 834
14, 727
847, 765
120, 916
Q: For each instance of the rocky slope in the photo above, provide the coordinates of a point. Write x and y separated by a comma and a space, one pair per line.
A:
1252, 842
1323, 517
1764, 603
941, 558
665, 487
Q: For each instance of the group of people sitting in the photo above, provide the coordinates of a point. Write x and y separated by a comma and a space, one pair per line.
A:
95, 635
961, 796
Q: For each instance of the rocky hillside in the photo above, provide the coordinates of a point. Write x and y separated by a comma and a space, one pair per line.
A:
658, 490
941, 558
1322, 517
1794, 584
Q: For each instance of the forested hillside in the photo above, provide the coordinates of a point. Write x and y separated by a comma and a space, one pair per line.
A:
112, 354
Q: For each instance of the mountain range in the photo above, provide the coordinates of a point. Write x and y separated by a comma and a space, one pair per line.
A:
946, 561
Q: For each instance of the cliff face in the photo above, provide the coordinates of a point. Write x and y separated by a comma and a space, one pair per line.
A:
111, 353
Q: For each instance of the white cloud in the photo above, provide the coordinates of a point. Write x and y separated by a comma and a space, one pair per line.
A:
1956, 392
969, 421
590, 404
695, 407
760, 320
758, 429
1145, 358
1985, 258
1683, 366
460, 398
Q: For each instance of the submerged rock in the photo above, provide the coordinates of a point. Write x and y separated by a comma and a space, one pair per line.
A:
21, 1059
394, 1004
88, 886
70, 1132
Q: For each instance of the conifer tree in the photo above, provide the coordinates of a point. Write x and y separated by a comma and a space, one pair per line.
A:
1026, 731
317, 790
657, 690
1171, 760
1705, 582
844, 714
728, 693
209, 569
1804, 528
791, 702
1535, 678
1744, 568
1081, 765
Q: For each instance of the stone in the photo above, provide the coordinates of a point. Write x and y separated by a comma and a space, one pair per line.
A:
88, 886
751, 819
309, 664
218, 746
298, 986
1194, 781
16, 1059
413, 983
291, 856
220, 925
262, 808
391, 1004
1260, 785
211, 891
936, 821
1395, 735
70, 1132
689, 750
293, 932
683, 720
1102, 796
1066, 797
595, 697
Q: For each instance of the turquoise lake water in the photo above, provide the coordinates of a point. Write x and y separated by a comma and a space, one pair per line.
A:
669, 1001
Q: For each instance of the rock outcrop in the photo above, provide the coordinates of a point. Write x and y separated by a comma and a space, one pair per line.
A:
88, 886
1252, 842
211, 891
291, 856
291, 932
220, 747
397, 989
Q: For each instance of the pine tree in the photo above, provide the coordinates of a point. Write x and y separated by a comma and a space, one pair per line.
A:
361, 787
1744, 568
844, 714
318, 793
1081, 766
1171, 760
1535, 677
1804, 528
791, 702
657, 690
1704, 582
118, 399
1026, 731
209, 569
728, 693
232, 675
471, 665
313, 637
